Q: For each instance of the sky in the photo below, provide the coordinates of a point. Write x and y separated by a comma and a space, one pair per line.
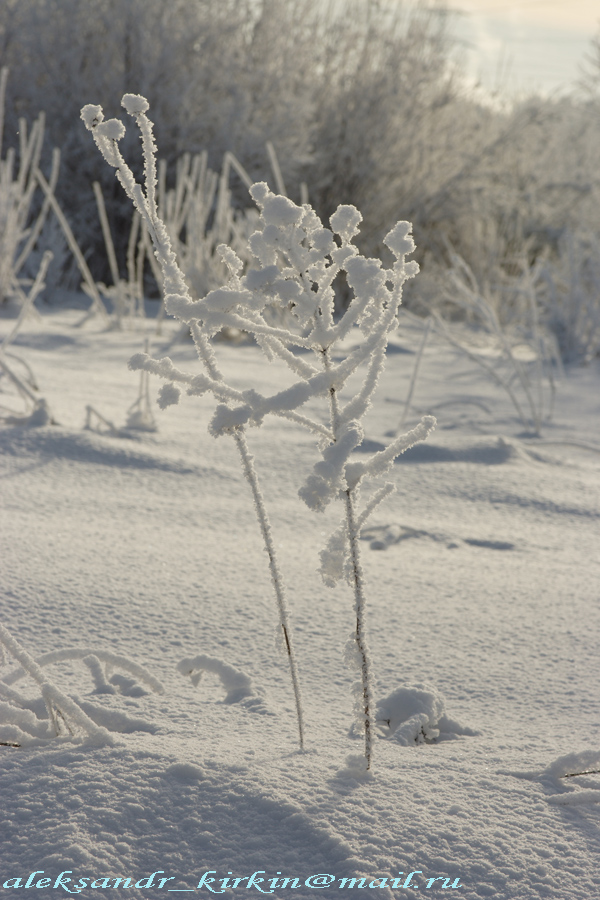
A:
532, 44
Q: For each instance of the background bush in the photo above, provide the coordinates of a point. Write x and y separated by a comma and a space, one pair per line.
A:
366, 105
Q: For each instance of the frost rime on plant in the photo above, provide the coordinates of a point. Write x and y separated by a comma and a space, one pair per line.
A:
177, 297
297, 260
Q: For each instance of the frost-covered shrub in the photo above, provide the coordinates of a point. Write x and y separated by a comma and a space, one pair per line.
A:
569, 295
296, 262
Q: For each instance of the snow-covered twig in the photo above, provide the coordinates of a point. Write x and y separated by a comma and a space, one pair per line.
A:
62, 711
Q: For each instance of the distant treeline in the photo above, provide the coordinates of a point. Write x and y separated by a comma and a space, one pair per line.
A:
365, 105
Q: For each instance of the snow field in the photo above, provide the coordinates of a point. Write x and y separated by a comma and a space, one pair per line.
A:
147, 548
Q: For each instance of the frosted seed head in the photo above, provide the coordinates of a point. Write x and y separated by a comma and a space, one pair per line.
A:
315, 492
92, 115
411, 268
322, 240
399, 239
138, 361
135, 104
168, 395
310, 220
345, 222
112, 129
365, 275
259, 192
256, 279
281, 211
230, 258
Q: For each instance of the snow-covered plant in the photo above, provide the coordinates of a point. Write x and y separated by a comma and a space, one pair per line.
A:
19, 227
37, 411
127, 295
107, 134
519, 359
296, 261
199, 216
64, 715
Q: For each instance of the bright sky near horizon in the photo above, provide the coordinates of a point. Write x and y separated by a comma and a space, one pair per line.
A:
527, 44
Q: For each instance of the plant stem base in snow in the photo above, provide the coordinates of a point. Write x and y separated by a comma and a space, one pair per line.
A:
206, 355
359, 605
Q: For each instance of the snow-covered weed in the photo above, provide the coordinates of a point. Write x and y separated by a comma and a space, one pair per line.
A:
296, 260
107, 134
17, 372
25, 720
126, 295
520, 358
19, 227
64, 716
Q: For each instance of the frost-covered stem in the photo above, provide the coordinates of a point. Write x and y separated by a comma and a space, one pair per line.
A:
206, 354
358, 579
359, 637
413, 380
108, 241
278, 586
74, 247
57, 703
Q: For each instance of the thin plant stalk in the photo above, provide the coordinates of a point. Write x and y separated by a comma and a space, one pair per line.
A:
360, 637
239, 435
97, 304
358, 585
415, 372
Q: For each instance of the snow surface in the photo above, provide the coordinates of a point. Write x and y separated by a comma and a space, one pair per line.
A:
482, 575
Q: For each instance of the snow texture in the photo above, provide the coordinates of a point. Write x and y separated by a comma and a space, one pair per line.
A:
144, 546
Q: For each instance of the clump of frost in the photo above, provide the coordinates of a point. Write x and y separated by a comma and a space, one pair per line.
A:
416, 715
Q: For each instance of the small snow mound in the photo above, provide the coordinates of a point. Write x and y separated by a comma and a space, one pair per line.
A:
416, 715
577, 778
573, 764
238, 686
40, 416
356, 768
185, 772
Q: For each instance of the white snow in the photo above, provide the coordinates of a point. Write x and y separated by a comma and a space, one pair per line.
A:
483, 617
